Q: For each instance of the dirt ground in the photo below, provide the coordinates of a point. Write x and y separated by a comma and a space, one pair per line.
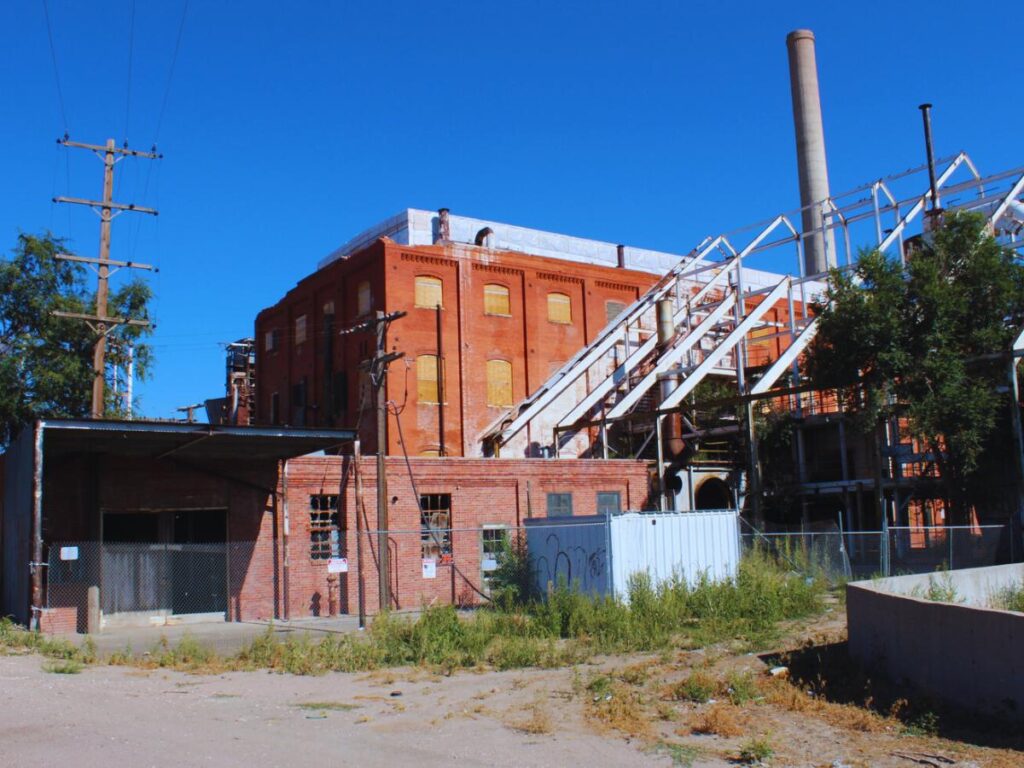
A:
616, 712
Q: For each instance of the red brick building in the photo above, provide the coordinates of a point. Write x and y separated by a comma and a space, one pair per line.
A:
508, 320
115, 523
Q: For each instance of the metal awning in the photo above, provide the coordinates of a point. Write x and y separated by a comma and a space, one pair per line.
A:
193, 442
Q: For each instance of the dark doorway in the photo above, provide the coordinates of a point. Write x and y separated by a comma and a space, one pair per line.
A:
164, 563
713, 493
198, 561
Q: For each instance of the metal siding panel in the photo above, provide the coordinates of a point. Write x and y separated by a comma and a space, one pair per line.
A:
684, 544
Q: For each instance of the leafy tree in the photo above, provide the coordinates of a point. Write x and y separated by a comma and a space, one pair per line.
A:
928, 341
46, 361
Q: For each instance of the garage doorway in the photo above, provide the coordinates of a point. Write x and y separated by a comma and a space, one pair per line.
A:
164, 567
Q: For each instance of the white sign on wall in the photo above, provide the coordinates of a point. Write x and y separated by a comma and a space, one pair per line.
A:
337, 565
429, 568
69, 553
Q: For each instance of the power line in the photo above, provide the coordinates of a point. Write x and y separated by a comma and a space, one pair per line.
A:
170, 74
56, 72
128, 89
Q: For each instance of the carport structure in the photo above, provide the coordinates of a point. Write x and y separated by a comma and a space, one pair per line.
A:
115, 522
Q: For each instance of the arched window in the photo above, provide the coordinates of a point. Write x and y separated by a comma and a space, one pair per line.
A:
364, 300
499, 383
496, 300
559, 308
426, 379
431, 453
428, 292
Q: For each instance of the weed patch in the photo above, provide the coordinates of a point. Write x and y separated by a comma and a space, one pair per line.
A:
756, 751
63, 666
718, 720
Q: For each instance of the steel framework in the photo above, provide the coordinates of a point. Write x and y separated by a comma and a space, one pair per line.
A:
721, 295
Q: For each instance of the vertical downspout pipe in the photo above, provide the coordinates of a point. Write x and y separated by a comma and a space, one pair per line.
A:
284, 543
440, 386
36, 567
357, 460
812, 168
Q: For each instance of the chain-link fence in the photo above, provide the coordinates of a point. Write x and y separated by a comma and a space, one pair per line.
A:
321, 569
838, 555
135, 579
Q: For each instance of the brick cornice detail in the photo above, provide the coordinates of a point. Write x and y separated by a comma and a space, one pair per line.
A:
498, 270
614, 286
555, 277
435, 260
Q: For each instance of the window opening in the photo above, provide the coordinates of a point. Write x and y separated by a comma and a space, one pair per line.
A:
324, 530
436, 526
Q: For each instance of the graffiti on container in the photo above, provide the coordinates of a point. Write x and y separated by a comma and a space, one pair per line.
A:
575, 565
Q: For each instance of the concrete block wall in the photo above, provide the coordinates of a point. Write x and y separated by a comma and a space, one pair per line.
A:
965, 653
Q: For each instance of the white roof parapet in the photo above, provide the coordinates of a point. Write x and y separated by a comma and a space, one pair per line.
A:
418, 227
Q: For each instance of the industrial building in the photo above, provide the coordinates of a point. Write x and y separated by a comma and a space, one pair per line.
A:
501, 374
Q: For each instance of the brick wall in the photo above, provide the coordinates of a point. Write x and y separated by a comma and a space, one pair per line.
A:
483, 492
525, 337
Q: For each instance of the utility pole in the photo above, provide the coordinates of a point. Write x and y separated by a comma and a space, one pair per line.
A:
377, 366
100, 322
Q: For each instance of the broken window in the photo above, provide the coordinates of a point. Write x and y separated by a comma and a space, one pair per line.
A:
436, 526
324, 530
493, 543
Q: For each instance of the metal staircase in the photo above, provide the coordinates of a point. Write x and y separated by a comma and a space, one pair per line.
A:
718, 312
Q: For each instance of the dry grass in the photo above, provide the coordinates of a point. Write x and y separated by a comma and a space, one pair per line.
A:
620, 708
785, 695
719, 720
533, 719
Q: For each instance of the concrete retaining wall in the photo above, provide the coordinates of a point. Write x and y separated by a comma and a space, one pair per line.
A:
964, 652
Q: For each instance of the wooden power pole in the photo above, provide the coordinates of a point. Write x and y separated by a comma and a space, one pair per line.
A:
101, 323
377, 367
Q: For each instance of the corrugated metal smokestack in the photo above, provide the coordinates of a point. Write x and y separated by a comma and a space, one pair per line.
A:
819, 251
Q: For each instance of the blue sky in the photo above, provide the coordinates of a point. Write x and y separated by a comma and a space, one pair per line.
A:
291, 126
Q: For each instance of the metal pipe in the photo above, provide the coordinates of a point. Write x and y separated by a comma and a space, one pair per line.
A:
440, 386
812, 168
284, 544
36, 566
926, 116
357, 458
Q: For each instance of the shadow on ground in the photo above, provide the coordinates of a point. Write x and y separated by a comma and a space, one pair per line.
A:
827, 671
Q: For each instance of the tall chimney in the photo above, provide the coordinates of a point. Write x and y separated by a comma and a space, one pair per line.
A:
819, 251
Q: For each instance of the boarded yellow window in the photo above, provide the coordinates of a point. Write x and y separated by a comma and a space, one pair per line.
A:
428, 292
364, 300
559, 308
426, 378
300, 329
496, 301
499, 383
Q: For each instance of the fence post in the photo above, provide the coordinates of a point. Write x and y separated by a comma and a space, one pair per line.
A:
952, 533
885, 545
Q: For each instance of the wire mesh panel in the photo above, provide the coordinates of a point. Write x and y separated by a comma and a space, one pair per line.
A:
135, 579
925, 549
